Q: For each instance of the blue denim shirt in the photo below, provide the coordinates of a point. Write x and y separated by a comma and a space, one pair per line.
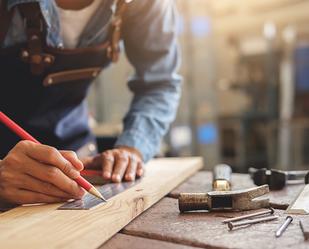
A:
149, 37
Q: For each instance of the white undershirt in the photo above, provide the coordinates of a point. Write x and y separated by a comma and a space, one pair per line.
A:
73, 23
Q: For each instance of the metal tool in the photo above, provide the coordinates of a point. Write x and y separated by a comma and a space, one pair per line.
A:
307, 178
304, 227
276, 179
283, 227
262, 213
224, 200
222, 175
89, 202
232, 225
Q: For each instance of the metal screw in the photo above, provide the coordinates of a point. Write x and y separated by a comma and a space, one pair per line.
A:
283, 227
270, 211
48, 60
232, 225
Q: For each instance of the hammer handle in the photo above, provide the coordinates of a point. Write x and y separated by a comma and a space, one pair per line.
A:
222, 175
193, 201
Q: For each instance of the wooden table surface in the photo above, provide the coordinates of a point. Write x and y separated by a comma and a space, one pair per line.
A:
162, 226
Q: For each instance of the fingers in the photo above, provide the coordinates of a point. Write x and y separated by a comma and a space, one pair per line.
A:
48, 155
107, 164
140, 169
40, 172
118, 164
121, 163
87, 162
29, 197
132, 169
73, 159
53, 175
32, 184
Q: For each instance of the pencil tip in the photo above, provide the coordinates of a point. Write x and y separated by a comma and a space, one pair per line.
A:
96, 193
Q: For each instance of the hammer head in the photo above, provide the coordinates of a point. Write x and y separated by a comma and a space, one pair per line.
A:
240, 200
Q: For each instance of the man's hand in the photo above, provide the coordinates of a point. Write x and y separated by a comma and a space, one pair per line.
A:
35, 173
121, 163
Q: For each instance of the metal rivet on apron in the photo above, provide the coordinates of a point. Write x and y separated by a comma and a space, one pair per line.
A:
24, 54
50, 81
95, 74
48, 60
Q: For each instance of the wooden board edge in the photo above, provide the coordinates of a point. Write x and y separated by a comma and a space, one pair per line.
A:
137, 204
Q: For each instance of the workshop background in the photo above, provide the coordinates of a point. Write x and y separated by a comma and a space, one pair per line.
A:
245, 68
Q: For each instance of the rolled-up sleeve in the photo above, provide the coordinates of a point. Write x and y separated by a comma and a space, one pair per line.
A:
150, 40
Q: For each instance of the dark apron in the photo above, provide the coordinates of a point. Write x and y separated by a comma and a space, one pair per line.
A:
43, 89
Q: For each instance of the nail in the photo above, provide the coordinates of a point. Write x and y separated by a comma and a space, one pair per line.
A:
116, 178
232, 225
140, 172
81, 192
283, 227
107, 175
129, 177
270, 211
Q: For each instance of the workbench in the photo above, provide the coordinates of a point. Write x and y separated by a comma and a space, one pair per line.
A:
162, 226
152, 226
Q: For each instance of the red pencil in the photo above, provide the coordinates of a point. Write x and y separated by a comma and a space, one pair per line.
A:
26, 136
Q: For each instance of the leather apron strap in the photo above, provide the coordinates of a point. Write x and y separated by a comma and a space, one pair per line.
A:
36, 36
115, 30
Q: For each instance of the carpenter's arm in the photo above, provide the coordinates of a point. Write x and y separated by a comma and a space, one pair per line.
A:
151, 47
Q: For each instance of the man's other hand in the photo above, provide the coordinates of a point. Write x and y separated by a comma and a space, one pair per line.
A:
121, 163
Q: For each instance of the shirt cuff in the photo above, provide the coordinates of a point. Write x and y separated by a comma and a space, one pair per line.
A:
138, 140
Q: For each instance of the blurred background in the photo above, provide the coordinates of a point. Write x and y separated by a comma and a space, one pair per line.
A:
245, 68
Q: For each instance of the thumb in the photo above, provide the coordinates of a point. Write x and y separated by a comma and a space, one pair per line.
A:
92, 162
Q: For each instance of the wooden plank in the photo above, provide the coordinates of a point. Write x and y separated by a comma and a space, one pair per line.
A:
201, 181
46, 227
164, 222
123, 241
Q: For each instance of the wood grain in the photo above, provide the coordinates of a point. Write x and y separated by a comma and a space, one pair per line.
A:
203, 229
123, 241
201, 181
45, 227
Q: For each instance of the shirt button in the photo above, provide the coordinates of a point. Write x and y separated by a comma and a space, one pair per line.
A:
91, 147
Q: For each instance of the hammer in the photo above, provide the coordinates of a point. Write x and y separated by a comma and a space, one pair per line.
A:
237, 200
277, 179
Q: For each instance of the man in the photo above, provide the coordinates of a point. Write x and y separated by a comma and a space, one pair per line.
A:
51, 51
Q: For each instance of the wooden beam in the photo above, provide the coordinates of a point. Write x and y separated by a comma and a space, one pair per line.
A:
45, 227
